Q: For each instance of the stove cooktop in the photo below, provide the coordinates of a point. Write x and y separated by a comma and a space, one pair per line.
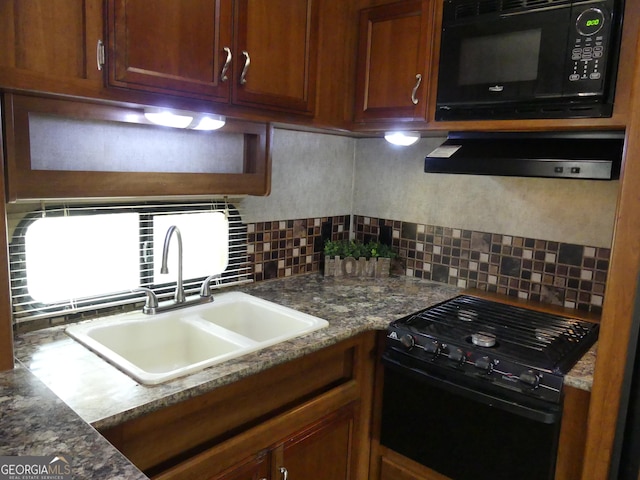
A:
538, 339
469, 340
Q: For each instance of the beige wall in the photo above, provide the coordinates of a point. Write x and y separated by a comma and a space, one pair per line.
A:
319, 175
312, 176
390, 183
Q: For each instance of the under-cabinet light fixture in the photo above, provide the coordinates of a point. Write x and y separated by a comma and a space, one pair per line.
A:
208, 121
184, 119
403, 139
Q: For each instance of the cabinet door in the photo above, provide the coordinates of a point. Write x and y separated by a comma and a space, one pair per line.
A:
255, 468
393, 54
168, 46
322, 450
276, 50
50, 46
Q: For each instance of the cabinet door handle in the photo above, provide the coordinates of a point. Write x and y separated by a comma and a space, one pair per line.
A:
414, 99
227, 62
100, 57
245, 69
284, 472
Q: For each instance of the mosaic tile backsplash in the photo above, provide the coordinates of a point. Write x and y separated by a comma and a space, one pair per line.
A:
564, 274
291, 247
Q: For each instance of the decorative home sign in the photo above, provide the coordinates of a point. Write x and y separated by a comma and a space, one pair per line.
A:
360, 267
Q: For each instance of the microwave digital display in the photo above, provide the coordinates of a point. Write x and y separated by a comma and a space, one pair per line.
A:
507, 57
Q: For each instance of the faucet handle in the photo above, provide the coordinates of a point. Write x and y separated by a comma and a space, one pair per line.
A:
151, 303
205, 289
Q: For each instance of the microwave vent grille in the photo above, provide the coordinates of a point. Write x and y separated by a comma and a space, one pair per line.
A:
475, 8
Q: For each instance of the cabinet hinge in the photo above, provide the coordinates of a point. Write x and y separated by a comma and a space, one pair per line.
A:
100, 55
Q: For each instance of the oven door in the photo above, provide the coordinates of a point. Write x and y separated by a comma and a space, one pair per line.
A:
493, 59
465, 434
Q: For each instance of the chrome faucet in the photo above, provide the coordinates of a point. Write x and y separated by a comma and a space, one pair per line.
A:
179, 295
152, 306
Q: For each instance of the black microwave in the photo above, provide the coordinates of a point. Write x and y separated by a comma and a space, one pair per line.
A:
508, 59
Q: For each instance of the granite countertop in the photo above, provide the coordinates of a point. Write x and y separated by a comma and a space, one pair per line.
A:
34, 422
103, 396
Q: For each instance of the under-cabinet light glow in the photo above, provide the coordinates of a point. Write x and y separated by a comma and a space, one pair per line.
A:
208, 122
403, 139
184, 119
167, 118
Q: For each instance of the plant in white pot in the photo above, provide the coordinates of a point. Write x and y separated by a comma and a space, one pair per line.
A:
356, 259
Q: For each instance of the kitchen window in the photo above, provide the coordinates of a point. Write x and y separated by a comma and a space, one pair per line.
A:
72, 259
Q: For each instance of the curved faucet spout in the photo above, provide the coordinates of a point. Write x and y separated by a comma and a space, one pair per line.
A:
179, 295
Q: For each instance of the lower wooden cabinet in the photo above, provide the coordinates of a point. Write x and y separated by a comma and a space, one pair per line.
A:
254, 468
319, 450
308, 418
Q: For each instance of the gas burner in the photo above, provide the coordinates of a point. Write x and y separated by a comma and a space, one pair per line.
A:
483, 339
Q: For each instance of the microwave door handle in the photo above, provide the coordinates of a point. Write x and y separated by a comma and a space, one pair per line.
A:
414, 99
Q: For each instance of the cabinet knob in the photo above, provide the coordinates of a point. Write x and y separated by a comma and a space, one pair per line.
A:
414, 99
227, 62
245, 69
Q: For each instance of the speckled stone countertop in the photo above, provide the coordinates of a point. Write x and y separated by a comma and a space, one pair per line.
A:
104, 396
34, 422
581, 375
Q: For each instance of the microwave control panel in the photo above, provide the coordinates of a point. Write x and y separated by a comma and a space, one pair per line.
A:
589, 49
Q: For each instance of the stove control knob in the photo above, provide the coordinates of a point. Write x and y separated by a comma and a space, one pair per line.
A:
457, 356
407, 341
530, 378
432, 348
485, 364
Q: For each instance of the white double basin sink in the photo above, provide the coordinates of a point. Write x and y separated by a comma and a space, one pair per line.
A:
157, 348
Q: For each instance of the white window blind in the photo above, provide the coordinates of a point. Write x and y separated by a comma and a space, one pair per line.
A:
70, 259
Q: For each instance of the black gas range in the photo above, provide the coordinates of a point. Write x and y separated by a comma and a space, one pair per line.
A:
516, 349
473, 387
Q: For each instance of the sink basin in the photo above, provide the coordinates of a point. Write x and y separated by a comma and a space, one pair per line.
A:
156, 348
258, 320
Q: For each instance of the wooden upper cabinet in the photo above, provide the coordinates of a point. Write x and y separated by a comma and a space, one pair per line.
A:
262, 55
50, 46
168, 46
276, 54
394, 53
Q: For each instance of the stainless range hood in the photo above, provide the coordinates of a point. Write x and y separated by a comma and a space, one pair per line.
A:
582, 155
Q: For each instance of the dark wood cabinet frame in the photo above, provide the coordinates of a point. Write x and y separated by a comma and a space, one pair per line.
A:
25, 183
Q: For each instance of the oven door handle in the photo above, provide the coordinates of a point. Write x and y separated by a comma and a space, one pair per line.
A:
543, 415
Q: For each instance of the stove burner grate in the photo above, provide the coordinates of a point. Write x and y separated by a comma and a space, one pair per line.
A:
539, 339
